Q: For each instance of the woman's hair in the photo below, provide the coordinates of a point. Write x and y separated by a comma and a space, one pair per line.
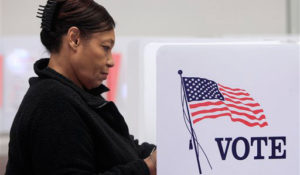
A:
87, 15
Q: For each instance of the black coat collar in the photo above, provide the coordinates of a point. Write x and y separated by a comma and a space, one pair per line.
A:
92, 97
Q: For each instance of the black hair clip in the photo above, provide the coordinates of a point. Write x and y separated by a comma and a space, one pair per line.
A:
46, 13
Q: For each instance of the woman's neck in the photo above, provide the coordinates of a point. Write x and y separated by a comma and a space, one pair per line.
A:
60, 63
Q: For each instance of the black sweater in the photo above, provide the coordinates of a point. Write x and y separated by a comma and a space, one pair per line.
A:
62, 129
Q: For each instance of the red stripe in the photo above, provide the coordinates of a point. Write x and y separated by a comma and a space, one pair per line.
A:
232, 119
235, 89
196, 105
251, 117
238, 102
211, 116
245, 108
209, 111
248, 123
258, 111
192, 106
244, 98
234, 93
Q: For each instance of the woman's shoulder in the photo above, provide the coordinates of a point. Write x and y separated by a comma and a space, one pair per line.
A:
49, 88
48, 99
49, 91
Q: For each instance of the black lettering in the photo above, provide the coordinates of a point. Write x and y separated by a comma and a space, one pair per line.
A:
258, 145
220, 146
234, 148
277, 147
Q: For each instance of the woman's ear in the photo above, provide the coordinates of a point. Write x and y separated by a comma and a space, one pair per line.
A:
73, 37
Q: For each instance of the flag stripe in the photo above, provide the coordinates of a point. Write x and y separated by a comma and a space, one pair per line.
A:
234, 93
246, 109
248, 123
232, 119
252, 106
251, 117
244, 98
211, 117
239, 102
225, 109
233, 116
209, 111
232, 89
205, 104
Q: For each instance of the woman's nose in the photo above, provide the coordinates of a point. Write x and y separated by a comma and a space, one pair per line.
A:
110, 61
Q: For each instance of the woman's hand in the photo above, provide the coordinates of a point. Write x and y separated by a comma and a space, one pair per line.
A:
151, 163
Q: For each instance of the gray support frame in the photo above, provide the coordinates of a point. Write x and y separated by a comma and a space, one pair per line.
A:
293, 17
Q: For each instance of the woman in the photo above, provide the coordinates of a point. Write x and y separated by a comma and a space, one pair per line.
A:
63, 125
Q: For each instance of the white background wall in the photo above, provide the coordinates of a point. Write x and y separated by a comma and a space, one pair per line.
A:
200, 18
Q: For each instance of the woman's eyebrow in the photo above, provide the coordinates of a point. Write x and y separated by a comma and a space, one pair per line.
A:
111, 41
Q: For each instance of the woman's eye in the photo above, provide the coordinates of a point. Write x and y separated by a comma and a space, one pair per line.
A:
106, 48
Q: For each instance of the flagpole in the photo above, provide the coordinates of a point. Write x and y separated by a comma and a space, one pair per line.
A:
191, 126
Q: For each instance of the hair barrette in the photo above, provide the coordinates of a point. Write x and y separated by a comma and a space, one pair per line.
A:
46, 13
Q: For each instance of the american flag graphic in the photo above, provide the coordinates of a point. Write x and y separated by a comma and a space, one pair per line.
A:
210, 100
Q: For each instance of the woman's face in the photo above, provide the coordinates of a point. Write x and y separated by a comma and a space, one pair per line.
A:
93, 59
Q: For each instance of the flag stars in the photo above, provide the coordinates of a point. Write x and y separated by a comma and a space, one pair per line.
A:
201, 89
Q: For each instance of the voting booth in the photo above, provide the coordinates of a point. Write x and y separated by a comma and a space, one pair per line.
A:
225, 107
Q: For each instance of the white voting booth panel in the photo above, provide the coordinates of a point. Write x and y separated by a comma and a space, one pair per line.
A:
142, 85
242, 116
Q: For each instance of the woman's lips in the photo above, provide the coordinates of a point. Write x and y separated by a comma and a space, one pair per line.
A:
105, 75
